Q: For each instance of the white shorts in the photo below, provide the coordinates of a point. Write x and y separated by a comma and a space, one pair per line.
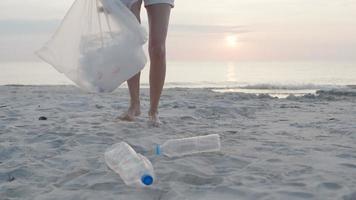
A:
129, 3
151, 2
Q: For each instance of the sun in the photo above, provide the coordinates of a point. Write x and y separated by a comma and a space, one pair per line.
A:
231, 40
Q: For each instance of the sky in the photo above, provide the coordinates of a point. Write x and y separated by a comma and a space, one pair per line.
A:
209, 30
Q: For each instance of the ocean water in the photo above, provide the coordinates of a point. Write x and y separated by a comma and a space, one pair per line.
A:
274, 78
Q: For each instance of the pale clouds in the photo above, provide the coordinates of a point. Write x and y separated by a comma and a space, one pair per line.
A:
33, 9
267, 30
21, 27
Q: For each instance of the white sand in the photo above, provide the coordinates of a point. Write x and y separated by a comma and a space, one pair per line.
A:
294, 148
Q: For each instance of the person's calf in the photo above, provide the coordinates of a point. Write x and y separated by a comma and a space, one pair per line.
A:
157, 52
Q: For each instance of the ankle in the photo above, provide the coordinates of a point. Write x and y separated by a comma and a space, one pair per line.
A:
152, 112
135, 104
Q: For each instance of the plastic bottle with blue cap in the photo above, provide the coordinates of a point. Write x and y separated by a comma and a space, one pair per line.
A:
187, 146
133, 168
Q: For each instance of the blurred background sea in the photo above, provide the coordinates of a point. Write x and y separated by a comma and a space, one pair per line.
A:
275, 78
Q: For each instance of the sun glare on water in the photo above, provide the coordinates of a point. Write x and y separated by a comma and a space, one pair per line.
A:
231, 40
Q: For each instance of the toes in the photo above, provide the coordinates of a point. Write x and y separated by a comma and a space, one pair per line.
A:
154, 121
126, 117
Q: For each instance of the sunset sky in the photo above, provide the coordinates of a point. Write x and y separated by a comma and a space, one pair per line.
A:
222, 30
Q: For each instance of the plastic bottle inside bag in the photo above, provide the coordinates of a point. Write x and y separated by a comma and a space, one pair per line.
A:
99, 45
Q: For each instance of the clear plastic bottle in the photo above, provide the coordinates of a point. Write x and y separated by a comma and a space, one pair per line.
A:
133, 168
187, 146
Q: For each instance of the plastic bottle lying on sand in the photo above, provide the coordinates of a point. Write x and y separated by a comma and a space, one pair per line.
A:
187, 146
133, 168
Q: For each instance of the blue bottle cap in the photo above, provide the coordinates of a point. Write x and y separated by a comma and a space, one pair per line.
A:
147, 179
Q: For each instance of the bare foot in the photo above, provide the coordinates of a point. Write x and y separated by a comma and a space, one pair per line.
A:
130, 114
153, 119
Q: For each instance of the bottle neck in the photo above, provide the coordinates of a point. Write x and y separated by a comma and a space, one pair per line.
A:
158, 150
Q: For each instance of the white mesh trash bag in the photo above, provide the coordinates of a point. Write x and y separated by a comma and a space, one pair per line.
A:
98, 45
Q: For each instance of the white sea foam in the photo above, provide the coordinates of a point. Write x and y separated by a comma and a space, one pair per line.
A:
267, 86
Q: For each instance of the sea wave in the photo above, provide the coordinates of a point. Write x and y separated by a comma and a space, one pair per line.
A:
329, 95
257, 86
294, 90
291, 86
337, 92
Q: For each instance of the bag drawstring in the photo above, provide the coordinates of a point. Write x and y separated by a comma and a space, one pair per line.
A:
99, 20
102, 9
109, 24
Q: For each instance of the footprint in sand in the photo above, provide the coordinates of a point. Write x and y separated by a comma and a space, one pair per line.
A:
71, 176
330, 186
349, 165
188, 118
301, 195
197, 180
109, 186
274, 160
351, 196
